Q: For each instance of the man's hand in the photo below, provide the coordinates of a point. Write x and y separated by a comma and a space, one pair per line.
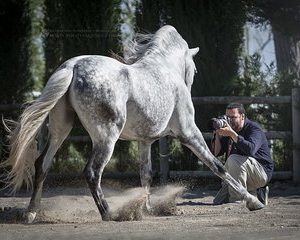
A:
227, 132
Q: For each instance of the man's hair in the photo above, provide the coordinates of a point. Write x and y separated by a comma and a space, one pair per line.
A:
239, 106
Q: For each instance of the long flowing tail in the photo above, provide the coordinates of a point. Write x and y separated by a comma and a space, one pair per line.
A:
22, 138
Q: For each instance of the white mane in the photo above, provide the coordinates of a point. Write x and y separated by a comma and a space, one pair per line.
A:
162, 42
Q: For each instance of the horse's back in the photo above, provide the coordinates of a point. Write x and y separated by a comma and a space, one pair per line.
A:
100, 77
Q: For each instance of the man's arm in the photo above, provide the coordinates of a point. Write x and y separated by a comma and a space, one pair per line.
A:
228, 132
217, 144
249, 145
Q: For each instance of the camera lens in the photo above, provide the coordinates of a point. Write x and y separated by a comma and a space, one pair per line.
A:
217, 123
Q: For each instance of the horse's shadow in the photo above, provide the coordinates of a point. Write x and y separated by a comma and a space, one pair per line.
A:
12, 215
192, 203
190, 199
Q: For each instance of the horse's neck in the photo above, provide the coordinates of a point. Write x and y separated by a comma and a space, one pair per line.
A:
173, 61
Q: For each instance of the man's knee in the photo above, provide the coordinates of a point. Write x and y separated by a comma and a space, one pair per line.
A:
235, 164
234, 160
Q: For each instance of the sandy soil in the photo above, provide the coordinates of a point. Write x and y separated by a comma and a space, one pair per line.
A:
70, 213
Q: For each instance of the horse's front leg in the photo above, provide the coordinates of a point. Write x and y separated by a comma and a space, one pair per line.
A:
145, 169
193, 139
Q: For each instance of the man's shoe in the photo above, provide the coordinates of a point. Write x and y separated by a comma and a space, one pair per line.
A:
263, 195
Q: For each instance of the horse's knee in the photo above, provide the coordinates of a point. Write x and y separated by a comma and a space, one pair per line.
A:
146, 174
146, 170
219, 168
146, 178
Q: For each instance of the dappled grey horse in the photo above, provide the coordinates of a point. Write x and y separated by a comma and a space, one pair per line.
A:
144, 99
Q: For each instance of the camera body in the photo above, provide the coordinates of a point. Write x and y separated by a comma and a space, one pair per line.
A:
218, 122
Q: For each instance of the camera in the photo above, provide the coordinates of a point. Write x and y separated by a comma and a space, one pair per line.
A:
218, 122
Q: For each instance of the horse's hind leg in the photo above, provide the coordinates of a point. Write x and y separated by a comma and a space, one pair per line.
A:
103, 146
146, 169
60, 124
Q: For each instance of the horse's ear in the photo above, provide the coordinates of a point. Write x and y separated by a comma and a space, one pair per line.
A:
194, 51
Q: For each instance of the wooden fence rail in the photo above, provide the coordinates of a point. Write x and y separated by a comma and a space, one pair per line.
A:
207, 136
243, 100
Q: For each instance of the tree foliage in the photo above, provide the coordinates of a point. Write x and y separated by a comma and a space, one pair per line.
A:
284, 17
80, 28
15, 28
15, 76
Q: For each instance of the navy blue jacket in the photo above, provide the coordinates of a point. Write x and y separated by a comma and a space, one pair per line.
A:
251, 142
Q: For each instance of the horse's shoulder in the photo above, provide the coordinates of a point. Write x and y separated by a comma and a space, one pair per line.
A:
124, 72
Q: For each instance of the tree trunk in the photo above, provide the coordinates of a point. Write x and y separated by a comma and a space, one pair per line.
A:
287, 49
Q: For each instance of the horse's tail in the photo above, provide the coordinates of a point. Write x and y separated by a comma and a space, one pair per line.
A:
22, 139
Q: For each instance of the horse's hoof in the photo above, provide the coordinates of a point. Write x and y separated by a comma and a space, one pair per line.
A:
29, 217
147, 207
138, 216
254, 204
106, 217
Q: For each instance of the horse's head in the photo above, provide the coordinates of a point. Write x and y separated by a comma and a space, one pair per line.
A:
190, 67
170, 41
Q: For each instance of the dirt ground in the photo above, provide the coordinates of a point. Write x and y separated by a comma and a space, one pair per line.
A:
70, 213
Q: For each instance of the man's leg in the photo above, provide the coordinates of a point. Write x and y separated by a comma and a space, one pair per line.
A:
234, 166
247, 171
222, 195
257, 181
257, 176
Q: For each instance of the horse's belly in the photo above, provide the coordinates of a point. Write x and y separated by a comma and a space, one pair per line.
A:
138, 127
135, 135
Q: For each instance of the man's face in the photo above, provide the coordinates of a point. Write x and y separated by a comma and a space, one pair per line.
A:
236, 119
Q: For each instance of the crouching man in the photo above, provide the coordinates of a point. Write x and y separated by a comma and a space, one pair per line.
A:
247, 152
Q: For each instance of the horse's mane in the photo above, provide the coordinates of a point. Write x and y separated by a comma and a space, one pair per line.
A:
137, 47
161, 42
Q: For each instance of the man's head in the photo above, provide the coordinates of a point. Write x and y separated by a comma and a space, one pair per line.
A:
236, 113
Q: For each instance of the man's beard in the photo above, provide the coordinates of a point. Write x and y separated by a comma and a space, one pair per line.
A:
235, 127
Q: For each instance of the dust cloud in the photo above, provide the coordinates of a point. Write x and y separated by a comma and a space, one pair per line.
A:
128, 205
